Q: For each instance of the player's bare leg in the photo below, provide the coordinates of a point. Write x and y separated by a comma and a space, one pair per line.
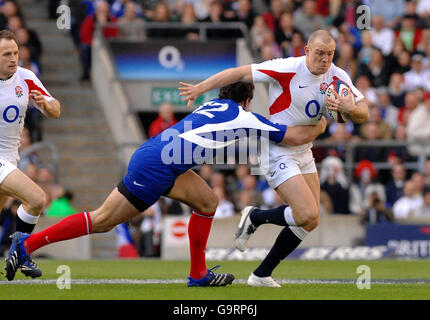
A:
301, 192
17, 185
192, 190
115, 210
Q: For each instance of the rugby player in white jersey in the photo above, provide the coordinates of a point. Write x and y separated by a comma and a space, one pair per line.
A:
296, 97
17, 87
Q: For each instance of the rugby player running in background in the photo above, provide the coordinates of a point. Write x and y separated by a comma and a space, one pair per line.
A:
18, 86
152, 174
296, 97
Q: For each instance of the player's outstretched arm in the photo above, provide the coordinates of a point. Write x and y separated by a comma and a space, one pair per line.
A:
190, 92
298, 135
51, 109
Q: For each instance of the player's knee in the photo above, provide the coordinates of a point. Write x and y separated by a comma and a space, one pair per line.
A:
209, 203
38, 203
312, 224
309, 216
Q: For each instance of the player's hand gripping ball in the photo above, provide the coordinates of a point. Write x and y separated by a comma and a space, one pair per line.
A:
342, 89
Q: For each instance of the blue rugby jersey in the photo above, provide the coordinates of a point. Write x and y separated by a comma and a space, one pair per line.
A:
215, 125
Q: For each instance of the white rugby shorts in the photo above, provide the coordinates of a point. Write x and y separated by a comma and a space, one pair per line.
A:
283, 167
6, 167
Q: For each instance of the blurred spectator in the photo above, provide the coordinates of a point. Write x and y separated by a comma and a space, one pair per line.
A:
45, 179
125, 243
296, 48
7, 223
334, 182
99, 19
382, 37
225, 208
270, 42
258, 29
389, 113
384, 130
391, 10
118, 8
216, 16
403, 62
346, 60
272, 16
284, 34
363, 84
150, 231
406, 205
347, 13
339, 133
411, 103
241, 171
365, 189
61, 205
423, 9
31, 40
306, 18
424, 209
378, 69
371, 131
217, 180
188, 18
418, 179
10, 8
376, 211
417, 125
165, 119
32, 171
130, 25
365, 53
161, 14
414, 78
409, 33
394, 187
244, 13
396, 90
206, 172
26, 62
427, 172
249, 195
30, 158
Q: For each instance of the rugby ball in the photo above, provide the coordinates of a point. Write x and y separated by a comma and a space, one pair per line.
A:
342, 89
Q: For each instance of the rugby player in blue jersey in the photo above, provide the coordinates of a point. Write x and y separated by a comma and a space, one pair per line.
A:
154, 171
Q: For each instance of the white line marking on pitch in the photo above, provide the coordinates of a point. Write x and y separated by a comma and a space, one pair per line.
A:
183, 281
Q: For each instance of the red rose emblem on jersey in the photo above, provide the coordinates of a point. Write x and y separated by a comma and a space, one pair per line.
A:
323, 87
18, 91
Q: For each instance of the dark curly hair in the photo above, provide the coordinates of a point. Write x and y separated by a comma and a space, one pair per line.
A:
238, 91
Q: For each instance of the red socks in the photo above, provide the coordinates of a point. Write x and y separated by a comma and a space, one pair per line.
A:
199, 228
71, 227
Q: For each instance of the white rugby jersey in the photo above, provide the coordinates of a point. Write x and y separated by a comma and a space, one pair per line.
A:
14, 99
296, 96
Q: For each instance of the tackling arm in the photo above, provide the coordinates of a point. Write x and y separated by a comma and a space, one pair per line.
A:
298, 135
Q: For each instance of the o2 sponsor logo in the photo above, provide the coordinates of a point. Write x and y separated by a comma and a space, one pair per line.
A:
11, 114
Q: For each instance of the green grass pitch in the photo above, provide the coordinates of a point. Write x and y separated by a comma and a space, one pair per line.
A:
398, 280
